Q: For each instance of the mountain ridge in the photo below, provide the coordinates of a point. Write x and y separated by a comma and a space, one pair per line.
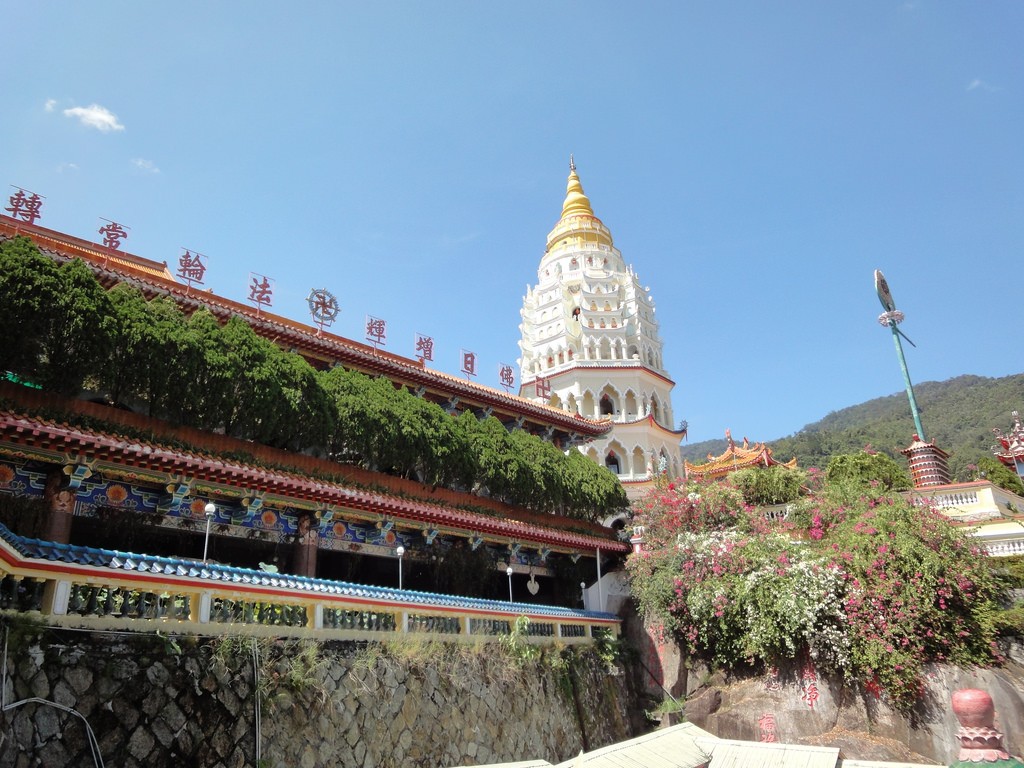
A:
958, 415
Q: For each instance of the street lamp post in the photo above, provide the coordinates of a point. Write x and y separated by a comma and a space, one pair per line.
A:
400, 551
508, 572
211, 510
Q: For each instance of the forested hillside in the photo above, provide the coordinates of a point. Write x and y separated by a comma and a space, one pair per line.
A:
958, 415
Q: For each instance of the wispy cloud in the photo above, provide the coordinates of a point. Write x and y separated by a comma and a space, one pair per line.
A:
448, 241
66, 167
50, 104
95, 116
981, 85
145, 165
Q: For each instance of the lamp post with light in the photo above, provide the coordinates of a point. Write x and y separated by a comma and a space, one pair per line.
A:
210, 510
508, 572
400, 551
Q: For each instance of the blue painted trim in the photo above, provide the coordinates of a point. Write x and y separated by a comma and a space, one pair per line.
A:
128, 561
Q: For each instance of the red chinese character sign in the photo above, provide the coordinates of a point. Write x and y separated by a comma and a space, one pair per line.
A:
113, 233
542, 388
261, 291
469, 363
424, 348
506, 376
191, 268
323, 307
376, 331
24, 206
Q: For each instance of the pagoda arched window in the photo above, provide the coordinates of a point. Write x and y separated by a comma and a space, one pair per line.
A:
587, 408
607, 406
590, 323
655, 409
612, 462
639, 461
607, 307
630, 405
593, 306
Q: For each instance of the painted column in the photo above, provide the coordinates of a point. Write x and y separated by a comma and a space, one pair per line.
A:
60, 502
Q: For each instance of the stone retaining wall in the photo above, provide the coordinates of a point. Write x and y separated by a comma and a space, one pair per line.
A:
157, 702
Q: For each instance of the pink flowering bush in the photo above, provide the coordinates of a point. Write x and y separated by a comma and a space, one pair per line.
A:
873, 589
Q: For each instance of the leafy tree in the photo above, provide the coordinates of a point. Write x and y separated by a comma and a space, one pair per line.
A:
884, 589
867, 468
75, 341
172, 360
131, 352
28, 295
1000, 474
769, 485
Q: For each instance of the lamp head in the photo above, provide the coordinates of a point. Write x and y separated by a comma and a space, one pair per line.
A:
508, 571
400, 550
210, 509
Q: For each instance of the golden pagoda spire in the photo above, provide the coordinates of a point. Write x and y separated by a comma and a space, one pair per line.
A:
576, 203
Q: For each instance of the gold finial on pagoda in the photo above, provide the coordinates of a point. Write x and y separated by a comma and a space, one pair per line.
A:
576, 202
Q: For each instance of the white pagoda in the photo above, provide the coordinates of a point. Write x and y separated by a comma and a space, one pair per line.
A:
590, 345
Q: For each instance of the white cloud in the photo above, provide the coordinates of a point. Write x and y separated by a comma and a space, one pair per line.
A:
66, 167
976, 84
145, 165
95, 116
50, 104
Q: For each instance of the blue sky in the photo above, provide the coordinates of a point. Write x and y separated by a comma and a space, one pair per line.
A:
754, 161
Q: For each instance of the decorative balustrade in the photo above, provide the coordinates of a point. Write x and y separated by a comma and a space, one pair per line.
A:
447, 625
960, 499
1005, 548
72, 586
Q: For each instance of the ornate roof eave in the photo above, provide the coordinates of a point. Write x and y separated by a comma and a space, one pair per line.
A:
32, 438
111, 268
758, 455
583, 365
649, 419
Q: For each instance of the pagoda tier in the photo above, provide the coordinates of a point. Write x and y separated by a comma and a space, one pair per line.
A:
928, 463
736, 457
591, 347
321, 348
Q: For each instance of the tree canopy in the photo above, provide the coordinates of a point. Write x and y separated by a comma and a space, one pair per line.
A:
64, 332
860, 583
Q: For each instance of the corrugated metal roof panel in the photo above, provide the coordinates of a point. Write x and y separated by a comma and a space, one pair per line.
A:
726, 753
674, 747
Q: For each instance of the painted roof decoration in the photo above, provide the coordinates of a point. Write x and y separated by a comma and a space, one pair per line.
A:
48, 440
1012, 443
736, 457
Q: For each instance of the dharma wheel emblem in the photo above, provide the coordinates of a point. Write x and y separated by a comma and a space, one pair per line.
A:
323, 307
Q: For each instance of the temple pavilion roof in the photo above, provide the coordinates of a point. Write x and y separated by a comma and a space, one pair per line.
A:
736, 457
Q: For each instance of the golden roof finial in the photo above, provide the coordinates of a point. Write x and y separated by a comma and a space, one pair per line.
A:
576, 202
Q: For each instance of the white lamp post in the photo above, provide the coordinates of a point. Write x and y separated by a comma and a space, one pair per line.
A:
508, 572
210, 510
400, 551
583, 593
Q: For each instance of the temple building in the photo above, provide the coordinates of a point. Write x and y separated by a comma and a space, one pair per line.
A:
745, 456
257, 506
591, 346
